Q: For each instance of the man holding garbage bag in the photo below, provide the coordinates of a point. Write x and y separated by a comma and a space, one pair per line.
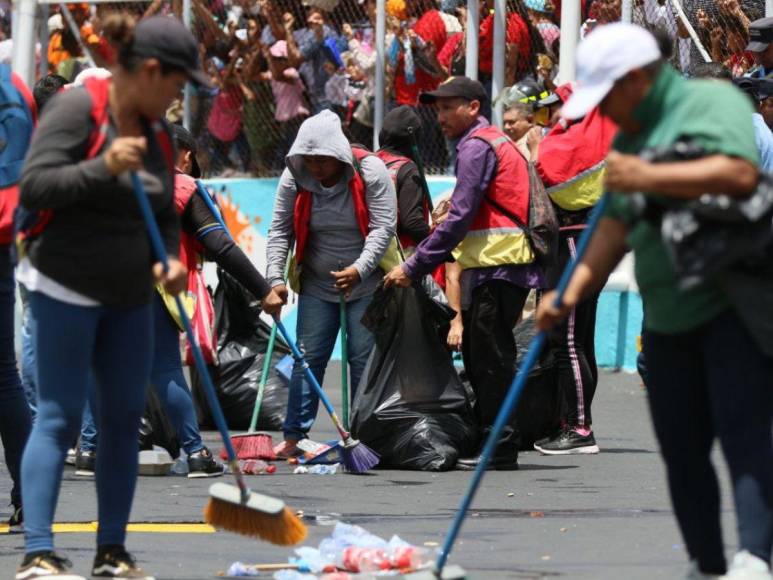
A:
482, 231
709, 370
338, 204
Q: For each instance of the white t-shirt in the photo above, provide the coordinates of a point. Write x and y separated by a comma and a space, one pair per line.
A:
36, 281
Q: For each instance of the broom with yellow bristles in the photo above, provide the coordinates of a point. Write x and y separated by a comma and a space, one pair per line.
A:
233, 508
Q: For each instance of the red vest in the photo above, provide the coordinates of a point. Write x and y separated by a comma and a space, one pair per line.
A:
494, 239
302, 212
394, 163
510, 188
190, 247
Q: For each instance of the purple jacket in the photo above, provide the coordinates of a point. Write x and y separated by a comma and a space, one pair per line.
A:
476, 165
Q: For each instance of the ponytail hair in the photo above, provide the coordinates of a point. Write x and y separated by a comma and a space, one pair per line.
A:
118, 30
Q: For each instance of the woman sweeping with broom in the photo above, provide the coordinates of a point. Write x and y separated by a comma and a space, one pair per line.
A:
201, 236
90, 274
338, 204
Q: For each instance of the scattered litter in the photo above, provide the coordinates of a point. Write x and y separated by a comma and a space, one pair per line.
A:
318, 469
354, 549
256, 467
238, 569
546, 558
537, 514
511, 494
564, 530
431, 544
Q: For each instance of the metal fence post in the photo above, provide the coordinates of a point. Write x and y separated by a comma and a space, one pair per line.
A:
627, 11
473, 28
188, 92
23, 59
570, 36
380, 97
498, 76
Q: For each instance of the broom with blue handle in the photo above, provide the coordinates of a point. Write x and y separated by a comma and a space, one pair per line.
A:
234, 508
357, 457
513, 394
254, 444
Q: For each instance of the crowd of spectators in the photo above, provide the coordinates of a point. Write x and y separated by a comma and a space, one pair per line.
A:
275, 62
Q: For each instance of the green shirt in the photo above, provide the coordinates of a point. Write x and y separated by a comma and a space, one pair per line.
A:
716, 116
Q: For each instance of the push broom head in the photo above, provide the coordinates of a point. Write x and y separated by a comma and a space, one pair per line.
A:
358, 457
260, 516
252, 446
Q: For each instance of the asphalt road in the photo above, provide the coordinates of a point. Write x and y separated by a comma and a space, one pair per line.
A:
601, 517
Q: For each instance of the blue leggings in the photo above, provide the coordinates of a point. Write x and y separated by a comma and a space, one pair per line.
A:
70, 341
169, 382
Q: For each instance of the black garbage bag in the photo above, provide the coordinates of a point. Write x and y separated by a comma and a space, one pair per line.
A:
411, 407
156, 429
242, 342
538, 413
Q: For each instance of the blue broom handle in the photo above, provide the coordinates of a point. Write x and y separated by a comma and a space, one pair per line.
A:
514, 392
204, 194
299, 357
201, 365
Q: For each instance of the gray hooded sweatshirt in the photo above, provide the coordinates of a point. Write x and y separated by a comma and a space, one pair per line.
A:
334, 238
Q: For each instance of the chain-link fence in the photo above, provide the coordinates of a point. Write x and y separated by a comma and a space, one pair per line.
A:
699, 31
275, 62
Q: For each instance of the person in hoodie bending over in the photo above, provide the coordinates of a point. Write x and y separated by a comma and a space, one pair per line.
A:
338, 205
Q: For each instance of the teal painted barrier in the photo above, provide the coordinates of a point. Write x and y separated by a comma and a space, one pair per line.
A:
247, 206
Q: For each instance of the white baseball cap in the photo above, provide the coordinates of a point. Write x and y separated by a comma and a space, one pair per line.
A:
605, 56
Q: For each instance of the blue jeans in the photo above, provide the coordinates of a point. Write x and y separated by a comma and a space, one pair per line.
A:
73, 343
15, 421
318, 325
167, 378
28, 360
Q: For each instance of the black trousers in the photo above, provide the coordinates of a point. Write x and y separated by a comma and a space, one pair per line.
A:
573, 345
489, 352
709, 383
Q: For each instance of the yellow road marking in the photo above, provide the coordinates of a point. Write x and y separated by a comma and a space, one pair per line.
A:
147, 528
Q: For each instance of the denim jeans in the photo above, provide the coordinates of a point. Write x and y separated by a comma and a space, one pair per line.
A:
15, 421
74, 343
169, 382
714, 383
28, 360
318, 326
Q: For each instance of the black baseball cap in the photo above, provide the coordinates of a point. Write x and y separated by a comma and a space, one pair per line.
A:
456, 87
760, 34
166, 39
184, 140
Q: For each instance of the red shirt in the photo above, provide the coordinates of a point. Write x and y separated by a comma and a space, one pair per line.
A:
517, 33
431, 28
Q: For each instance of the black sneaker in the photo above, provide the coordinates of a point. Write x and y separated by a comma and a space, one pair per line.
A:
45, 565
202, 464
553, 435
497, 463
16, 521
85, 463
116, 562
569, 442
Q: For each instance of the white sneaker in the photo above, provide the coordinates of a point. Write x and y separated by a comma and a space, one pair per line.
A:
746, 566
694, 573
